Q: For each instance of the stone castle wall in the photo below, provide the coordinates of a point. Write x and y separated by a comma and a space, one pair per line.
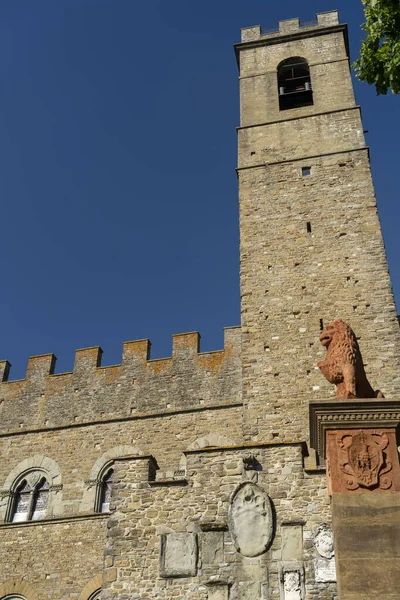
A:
138, 386
217, 494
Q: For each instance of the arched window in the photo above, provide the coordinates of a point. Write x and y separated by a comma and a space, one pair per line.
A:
103, 495
13, 597
30, 499
95, 595
294, 83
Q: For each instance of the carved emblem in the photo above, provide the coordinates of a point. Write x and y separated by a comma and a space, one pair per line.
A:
364, 460
33, 478
343, 365
323, 541
292, 585
251, 520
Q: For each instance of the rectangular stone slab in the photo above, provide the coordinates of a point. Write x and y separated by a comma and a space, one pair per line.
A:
178, 555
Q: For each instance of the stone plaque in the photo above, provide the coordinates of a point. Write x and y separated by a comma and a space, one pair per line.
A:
292, 542
325, 570
212, 547
251, 520
292, 583
178, 555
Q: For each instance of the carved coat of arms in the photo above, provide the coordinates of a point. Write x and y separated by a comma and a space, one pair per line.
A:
363, 460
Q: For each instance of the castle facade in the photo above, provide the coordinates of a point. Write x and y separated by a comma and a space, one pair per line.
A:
235, 474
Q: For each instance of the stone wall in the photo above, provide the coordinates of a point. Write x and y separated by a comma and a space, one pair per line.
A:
199, 509
58, 559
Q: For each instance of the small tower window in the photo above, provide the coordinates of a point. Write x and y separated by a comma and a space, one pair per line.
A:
305, 171
294, 83
105, 491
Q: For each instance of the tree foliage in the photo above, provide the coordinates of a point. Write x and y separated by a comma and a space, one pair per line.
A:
379, 61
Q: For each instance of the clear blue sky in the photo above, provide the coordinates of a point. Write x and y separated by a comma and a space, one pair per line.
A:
117, 163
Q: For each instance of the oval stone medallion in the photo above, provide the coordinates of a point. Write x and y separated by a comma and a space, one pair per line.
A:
251, 520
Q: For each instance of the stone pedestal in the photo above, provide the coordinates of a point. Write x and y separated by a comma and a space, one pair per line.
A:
358, 439
366, 530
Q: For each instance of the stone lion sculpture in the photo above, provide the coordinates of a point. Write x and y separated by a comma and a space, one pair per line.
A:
343, 364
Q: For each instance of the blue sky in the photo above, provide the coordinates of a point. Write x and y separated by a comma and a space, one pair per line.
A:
117, 169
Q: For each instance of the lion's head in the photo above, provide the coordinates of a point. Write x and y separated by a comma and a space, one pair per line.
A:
341, 344
338, 332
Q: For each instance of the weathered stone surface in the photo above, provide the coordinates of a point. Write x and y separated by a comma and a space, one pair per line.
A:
217, 591
249, 590
251, 520
212, 547
367, 544
292, 542
178, 555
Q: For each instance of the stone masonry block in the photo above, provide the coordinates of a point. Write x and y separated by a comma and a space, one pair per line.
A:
178, 555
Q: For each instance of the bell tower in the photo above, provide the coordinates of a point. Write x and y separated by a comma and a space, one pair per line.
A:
311, 244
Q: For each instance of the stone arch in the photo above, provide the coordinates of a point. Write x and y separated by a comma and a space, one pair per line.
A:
19, 588
40, 462
210, 440
111, 455
89, 495
90, 588
37, 462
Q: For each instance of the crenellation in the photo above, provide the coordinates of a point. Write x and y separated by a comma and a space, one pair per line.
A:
4, 370
185, 345
87, 359
40, 367
289, 26
140, 384
328, 18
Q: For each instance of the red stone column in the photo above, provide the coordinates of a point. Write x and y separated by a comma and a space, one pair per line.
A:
359, 442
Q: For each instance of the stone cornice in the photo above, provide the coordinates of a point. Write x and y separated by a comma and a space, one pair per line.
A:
365, 413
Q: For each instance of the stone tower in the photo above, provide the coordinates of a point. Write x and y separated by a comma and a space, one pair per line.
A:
311, 244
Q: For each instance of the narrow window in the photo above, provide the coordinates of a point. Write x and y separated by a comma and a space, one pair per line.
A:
40, 501
308, 227
305, 171
294, 83
22, 502
106, 486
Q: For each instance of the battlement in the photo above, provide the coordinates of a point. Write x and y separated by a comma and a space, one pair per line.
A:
290, 26
138, 385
